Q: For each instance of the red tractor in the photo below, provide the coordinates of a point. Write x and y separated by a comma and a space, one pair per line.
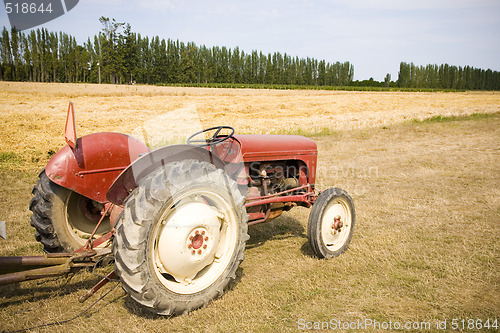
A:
176, 218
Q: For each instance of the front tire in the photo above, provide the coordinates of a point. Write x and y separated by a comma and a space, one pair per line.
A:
327, 237
180, 237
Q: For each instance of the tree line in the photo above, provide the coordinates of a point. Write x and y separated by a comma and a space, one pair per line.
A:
117, 55
447, 77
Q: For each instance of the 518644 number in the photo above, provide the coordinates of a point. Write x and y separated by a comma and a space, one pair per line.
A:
474, 324
27, 8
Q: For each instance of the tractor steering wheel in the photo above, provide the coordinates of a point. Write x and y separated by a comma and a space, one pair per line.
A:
213, 140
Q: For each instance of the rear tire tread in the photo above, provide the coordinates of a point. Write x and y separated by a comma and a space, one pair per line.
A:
144, 201
41, 205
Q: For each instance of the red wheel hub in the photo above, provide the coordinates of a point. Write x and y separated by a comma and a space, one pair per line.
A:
90, 209
197, 241
337, 224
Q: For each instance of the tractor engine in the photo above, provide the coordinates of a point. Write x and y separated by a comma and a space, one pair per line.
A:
265, 179
274, 166
273, 177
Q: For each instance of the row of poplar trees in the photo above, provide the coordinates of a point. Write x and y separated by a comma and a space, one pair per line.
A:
447, 77
118, 55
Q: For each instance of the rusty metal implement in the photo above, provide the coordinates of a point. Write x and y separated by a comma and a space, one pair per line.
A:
18, 269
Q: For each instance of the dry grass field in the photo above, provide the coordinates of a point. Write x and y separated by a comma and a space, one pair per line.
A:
427, 195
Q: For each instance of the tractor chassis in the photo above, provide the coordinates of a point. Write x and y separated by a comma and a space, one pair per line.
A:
288, 197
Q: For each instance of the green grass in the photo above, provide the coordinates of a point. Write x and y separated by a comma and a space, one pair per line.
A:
320, 132
302, 87
8, 157
28, 160
10, 160
442, 119
328, 132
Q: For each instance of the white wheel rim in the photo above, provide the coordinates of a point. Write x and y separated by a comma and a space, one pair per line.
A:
332, 238
177, 267
78, 226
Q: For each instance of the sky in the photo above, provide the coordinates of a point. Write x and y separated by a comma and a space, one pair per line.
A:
374, 36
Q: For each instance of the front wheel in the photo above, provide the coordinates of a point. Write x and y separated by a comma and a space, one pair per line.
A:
331, 223
180, 237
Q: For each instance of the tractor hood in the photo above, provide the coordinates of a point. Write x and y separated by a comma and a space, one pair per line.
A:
257, 147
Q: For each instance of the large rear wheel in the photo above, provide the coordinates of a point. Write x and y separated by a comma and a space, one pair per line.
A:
180, 237
63, 219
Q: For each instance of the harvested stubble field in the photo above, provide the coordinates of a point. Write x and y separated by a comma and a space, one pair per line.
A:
427, 195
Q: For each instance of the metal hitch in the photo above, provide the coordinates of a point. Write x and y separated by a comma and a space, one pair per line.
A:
18, 269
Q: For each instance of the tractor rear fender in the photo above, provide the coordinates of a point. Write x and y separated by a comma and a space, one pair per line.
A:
93, 163
147, 163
